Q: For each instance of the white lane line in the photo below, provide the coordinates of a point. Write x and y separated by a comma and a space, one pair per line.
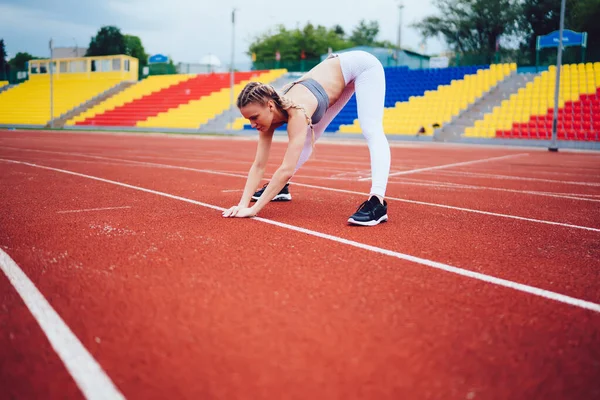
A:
314, 160
85, 370
92, 209
232, 190
134, 162
518, 178
539, 221
441, 266
238, 175
405, 181
413, 171
528, 192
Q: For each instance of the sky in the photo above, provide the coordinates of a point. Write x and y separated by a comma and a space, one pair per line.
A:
188, 30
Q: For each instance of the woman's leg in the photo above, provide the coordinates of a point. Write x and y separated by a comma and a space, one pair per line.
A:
370, 99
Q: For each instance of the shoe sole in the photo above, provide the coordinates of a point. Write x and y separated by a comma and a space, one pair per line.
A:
368, 223
279, 197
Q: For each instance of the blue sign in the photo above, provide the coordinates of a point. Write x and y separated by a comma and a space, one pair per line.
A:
158, 58
570, 38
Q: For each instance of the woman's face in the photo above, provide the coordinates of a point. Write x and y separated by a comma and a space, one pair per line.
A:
260, 117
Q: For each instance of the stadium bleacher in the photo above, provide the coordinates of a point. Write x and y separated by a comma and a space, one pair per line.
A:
529, 113
416, 101
402, 84
199, 111
29, 103
167, 98
142, 88
72, 82
422, 99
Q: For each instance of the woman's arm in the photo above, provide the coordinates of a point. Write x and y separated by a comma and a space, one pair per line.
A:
258, 167
255, 174
296, 128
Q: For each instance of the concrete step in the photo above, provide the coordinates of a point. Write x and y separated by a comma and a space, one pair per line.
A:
60, 121
484, 105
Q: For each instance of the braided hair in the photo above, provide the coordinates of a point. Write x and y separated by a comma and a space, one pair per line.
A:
256, 92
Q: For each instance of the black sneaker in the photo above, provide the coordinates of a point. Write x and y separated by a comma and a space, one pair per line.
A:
284, 194
370, 213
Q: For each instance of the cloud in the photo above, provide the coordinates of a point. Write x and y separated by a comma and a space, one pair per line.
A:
187, 30
82, 12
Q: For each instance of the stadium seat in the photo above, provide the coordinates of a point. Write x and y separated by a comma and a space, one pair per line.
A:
198, 112
578, 107
163, 100
29, 102
146, 87
427, 98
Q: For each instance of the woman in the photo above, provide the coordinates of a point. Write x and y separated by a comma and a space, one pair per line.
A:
308, 106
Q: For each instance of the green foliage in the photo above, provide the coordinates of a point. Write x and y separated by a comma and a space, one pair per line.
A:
583, 17
108, 41
314, 40
538, 18
472, 26
365, 33
19, 61
162, 69
339, 31
4, 68
134, 48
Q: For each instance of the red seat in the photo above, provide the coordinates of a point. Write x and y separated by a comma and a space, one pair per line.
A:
582, 135
545, 134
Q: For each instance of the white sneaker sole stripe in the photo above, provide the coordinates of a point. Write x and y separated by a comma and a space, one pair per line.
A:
368, 223
279, 197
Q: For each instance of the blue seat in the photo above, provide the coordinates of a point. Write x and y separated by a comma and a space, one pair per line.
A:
401, 84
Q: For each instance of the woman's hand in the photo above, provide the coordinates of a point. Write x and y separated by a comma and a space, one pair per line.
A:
239, 212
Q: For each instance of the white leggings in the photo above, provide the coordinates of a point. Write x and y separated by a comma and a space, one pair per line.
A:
363, 74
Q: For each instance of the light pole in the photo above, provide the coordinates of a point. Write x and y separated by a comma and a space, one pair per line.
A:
51, 84
231, 73
553, 144
399, 40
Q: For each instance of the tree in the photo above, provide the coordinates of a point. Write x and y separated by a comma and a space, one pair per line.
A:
19, 61
540, 17
108, 41
338, 30
585, 15
472, 26
134, 48
4, 68
314, 41
365, 33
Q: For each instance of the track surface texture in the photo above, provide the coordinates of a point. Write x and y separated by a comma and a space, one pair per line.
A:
121, 279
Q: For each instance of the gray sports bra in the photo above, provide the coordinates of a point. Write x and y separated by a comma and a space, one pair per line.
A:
317, 90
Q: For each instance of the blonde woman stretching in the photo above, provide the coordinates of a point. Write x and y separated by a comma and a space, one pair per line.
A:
308, 106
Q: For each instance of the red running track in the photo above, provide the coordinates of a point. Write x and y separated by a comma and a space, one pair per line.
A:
173, 301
